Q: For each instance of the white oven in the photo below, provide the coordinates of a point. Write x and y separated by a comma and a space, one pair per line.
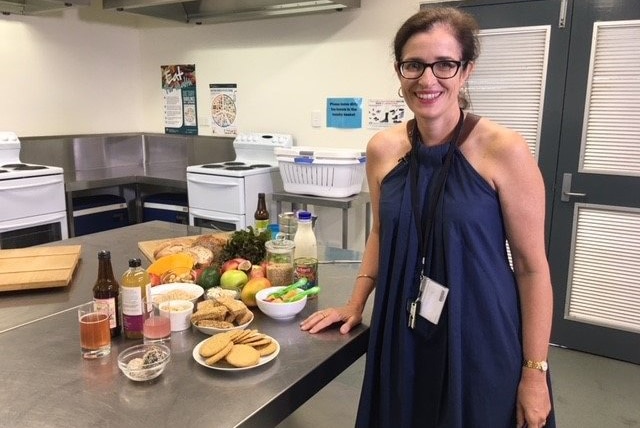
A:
32, 199
224, 196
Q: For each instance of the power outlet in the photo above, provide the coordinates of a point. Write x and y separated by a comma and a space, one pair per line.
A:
316, 118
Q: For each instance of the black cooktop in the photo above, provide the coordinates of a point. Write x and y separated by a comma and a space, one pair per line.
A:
235, 166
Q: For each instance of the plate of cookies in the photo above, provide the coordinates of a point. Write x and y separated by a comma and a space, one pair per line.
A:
236, 350
220, 315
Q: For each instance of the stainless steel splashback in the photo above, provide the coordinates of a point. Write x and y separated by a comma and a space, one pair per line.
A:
87, 152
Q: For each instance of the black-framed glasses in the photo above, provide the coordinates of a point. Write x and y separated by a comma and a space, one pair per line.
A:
441, 69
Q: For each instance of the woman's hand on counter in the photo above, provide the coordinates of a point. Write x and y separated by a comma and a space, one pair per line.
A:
349, 315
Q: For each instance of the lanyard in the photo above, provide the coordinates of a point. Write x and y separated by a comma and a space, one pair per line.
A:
436, 192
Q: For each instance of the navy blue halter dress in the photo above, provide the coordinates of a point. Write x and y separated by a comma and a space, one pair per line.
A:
464, 372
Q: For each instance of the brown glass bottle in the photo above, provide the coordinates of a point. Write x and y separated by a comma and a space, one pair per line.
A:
106, 291
262, 215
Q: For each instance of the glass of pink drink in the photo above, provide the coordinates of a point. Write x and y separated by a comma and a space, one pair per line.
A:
156, 328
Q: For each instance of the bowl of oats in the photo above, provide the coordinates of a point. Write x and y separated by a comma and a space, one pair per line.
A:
176, 291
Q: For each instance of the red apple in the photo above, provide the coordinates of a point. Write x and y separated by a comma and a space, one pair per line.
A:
229, 265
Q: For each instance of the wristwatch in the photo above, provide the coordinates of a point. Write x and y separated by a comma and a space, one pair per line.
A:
543, 366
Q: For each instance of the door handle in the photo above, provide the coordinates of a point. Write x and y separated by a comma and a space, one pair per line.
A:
567, 194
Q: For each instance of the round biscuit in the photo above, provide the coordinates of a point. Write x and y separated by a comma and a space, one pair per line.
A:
243, 356
268, 349
214, 344
220, 355
263, 341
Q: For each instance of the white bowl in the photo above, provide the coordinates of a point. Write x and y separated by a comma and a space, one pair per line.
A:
214, 330
179, 313
139, 371
176, 291
279, 311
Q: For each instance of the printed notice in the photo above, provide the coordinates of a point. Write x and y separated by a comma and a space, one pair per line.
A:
344, 112
179, 91
384, 113
224, 108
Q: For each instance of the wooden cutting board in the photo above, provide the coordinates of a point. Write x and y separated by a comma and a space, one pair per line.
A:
38, 267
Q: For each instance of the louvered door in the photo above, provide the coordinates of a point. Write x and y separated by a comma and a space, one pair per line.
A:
566, 75
595, 245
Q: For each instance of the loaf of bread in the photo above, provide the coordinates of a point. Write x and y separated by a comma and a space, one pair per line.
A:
202, 255
172, 246
215, 243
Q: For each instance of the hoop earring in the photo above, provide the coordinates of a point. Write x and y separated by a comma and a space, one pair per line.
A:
400, 92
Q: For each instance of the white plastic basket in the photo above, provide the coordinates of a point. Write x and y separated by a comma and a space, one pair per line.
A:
333, 173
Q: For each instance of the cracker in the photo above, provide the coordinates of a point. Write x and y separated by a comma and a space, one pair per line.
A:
214, 324
235, 306
244, 318
214, 344
260, 342
216, 313
220, 355
243, 356
243, 333
207, 304
230, 317
253, 338
234, 334
265, 350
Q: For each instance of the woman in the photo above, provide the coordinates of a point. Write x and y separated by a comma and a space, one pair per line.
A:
481, 360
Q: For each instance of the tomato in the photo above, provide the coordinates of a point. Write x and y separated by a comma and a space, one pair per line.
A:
155, 279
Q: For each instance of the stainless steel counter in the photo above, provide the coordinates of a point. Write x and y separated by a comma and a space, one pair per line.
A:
47, 383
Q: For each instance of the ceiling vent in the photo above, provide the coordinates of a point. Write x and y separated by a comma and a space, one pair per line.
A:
217, 11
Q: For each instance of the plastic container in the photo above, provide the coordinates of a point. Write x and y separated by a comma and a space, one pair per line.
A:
334, 173
99, 213
171, 207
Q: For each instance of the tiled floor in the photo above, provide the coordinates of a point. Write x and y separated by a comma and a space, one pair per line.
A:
589, 392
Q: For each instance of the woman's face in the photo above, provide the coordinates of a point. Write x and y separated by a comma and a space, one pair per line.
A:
428, 96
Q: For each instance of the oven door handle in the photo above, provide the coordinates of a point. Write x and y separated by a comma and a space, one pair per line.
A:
26, 186
195, 180
31, 222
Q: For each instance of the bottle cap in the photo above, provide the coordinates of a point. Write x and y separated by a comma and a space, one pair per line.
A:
104, 254
304, 215
135, 263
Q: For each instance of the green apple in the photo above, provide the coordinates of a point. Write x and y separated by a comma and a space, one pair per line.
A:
233, 279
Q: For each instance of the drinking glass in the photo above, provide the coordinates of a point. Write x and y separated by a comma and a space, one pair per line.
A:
95, 335
156, 327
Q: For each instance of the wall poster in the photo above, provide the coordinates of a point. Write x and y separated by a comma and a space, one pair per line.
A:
384, 113
223, 109
179, 90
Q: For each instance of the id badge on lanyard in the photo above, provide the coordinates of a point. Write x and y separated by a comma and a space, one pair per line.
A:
430, 301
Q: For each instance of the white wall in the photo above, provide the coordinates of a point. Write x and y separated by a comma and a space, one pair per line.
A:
90, 71
69, 73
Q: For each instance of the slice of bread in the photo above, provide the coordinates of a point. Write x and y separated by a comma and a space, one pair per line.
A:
202, 255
